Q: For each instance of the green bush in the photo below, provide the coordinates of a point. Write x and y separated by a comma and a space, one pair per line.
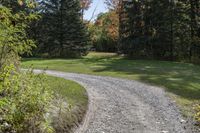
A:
14, 40
24, 98
24, 101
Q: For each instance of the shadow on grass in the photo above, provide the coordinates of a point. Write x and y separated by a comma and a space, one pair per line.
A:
41, 59
179, 78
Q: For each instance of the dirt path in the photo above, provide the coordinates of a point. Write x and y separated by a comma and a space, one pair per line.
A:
125, 106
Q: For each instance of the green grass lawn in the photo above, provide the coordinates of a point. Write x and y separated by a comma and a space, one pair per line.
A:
76, 97
182, 80
74, 93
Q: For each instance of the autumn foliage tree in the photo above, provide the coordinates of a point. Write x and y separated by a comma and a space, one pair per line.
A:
112, 4
85, 4
104, 32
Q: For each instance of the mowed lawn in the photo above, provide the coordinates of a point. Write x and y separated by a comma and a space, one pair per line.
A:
74, 93
182, 80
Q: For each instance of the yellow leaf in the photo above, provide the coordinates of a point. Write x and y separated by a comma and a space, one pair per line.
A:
20, 2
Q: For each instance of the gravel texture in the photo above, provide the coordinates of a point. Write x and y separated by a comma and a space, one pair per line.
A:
126, 106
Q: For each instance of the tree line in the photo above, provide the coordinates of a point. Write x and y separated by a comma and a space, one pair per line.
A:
154, 29
161, 29
158, 29
148, 29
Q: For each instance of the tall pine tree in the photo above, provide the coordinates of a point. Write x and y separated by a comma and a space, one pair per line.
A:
61, 32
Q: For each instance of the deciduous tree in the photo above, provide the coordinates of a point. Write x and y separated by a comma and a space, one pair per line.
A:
85, 4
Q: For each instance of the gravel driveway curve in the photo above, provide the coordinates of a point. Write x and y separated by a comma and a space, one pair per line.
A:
125, 106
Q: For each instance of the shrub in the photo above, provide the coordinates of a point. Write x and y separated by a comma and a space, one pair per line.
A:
24, 101
24, 98
13, 38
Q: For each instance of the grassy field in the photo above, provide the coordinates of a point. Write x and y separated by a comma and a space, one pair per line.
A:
77, 101
182, 80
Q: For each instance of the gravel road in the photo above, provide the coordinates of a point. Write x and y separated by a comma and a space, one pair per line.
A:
125, 106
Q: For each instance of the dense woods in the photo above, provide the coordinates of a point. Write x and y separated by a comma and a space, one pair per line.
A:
165, 30
149, 29
159, 29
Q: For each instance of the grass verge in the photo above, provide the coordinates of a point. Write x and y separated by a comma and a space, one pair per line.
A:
182, 80
69, 105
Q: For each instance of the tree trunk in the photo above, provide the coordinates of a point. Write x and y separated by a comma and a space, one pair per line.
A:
171, 31
192, 27
61, 28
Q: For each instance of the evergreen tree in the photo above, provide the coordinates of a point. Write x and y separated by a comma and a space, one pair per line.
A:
73, 37
132, 27
62, 33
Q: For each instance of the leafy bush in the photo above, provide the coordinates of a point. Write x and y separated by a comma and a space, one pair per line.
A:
24, 98
13, 37
24, 101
